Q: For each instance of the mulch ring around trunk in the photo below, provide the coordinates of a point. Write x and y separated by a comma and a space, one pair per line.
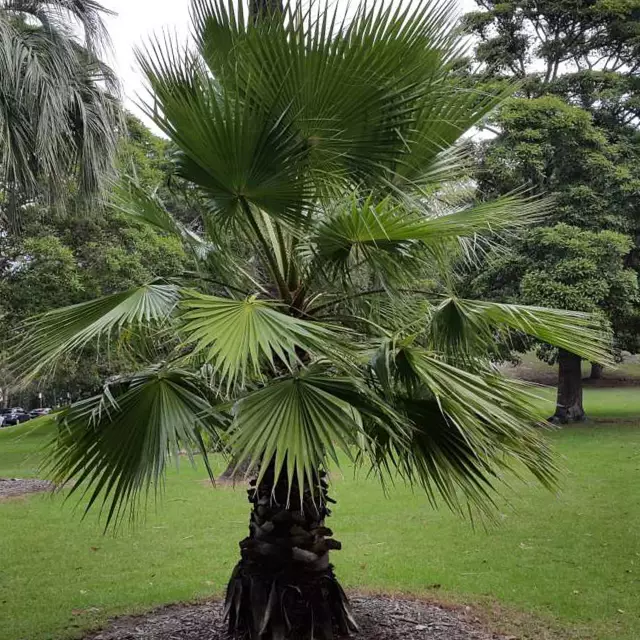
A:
379, 618
16, 487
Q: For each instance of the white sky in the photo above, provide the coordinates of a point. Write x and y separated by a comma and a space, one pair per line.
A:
136, 20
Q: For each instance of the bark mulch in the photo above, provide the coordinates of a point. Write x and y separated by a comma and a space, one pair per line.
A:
379, 618
16, 487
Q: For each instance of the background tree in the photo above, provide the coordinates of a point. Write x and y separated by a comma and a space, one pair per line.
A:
59, 104
572, 134
337, 327
67, 257
566, 267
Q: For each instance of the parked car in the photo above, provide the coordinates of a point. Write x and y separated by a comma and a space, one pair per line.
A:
10, 410
7, 414
42, 411
16, 418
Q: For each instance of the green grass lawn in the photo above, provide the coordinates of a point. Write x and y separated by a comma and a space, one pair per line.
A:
569, 561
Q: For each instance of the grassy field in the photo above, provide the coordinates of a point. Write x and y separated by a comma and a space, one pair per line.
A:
568, 562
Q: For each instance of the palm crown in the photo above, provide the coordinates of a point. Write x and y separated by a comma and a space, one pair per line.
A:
59, 108
322, 314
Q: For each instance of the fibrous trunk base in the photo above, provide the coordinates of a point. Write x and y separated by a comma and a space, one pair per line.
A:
287, 606
284, 587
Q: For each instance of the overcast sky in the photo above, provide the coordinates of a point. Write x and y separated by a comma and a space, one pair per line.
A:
136, 20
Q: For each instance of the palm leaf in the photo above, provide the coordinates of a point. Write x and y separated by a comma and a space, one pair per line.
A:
115, 446
467, 427
61, 331
389, 56
240, 337
585, 334
298, 424
238, 151
375, 232
59, 109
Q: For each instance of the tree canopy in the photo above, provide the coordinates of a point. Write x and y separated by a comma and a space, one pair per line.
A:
570, 132
67, 257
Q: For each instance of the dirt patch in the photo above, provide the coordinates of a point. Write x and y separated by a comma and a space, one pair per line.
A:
379, 617
16, 487
223, 482
548, 376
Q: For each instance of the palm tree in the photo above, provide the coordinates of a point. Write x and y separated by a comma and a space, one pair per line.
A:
59, 105
321, 323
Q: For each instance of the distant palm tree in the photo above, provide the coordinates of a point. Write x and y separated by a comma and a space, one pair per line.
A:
59, 103
322, 316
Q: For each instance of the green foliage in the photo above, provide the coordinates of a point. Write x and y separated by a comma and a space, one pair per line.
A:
560, 33
557, 149
310, 200
569, 268
67, 258
571, 134
574, 264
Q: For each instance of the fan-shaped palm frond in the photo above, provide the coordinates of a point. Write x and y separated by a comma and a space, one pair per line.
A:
466, 427
114, 462
389, 56
461, 326
261, 116
61, 331
240, 335
298, 424
365, 228
239, 152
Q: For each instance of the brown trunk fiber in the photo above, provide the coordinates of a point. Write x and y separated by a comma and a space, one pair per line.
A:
284, 586
569, 402
596, 371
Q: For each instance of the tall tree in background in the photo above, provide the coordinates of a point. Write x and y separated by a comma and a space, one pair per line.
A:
572, 134
335, 327
59, 103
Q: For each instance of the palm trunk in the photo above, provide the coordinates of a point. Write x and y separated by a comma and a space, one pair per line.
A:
569, 401
596, 371
284, 586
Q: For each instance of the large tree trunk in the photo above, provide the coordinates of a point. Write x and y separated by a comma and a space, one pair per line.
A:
284, 586
569, 401
596, 371
262, 8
